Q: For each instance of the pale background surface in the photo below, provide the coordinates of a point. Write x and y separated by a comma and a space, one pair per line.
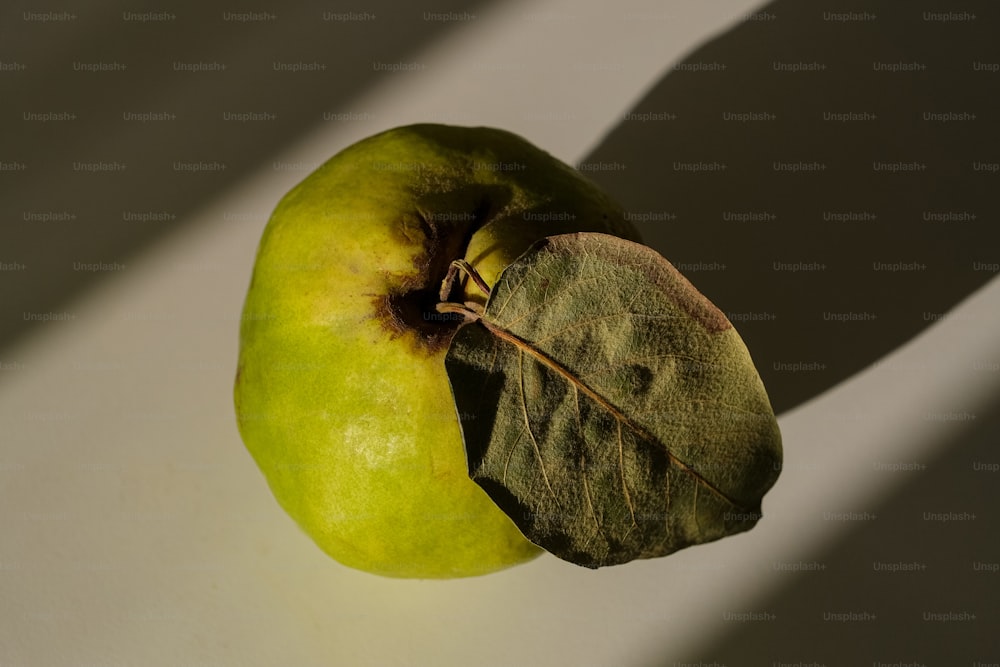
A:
135, 529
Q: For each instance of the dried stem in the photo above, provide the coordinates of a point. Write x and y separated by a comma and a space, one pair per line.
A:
449, 279
470, 311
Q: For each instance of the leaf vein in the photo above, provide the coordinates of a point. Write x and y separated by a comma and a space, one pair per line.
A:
542, 305
531, 435
583, 463
524, 347
621, 469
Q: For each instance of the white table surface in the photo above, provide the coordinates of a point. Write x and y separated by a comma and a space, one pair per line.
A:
136, 530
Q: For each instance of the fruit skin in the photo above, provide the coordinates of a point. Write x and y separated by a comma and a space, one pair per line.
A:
341, 392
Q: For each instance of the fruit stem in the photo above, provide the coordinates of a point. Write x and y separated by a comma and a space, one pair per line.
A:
470, 311
449, 278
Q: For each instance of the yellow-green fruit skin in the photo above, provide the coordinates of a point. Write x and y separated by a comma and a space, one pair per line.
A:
344, 404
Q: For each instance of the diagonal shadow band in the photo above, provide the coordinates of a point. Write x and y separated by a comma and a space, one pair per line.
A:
825, 175
118, 124
912, 582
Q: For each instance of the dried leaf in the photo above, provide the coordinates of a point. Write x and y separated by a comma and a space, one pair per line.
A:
608, 407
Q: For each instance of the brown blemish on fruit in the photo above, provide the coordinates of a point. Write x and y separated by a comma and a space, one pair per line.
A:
411, 314
408, 310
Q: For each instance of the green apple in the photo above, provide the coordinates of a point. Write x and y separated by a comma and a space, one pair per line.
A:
341, 392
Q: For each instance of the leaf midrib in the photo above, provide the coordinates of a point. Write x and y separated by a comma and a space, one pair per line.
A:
545, 359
